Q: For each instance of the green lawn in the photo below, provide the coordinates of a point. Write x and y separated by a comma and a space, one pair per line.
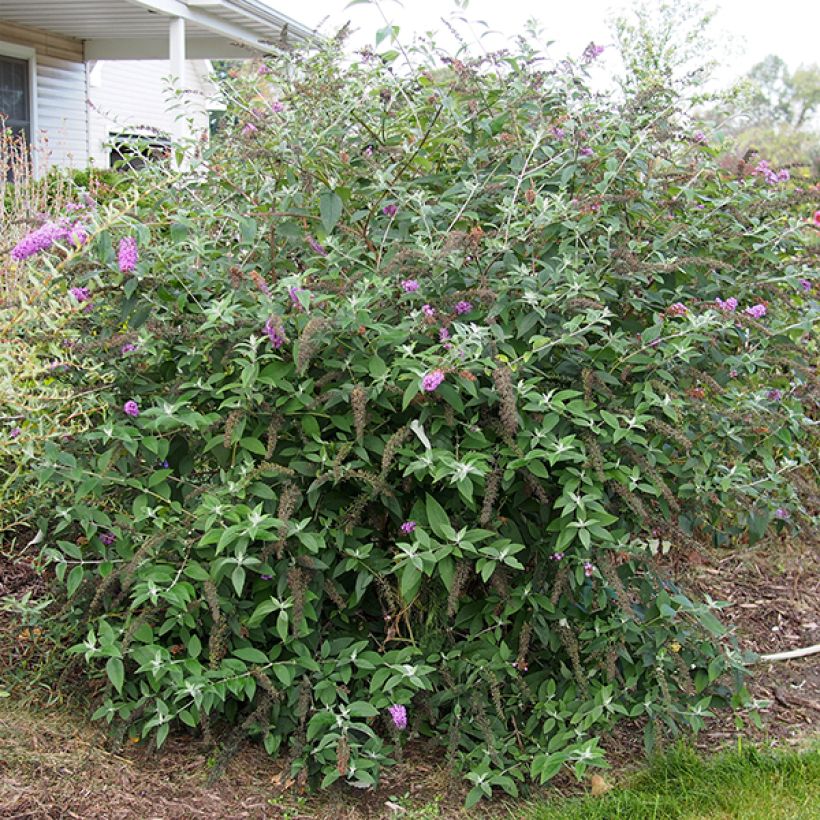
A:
682, 785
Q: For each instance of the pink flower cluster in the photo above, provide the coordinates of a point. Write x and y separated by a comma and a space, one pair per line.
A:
678, 309
127, 255
729, 306
410, 285
399, 716
756, 311
769, 174
46, 235
432, 381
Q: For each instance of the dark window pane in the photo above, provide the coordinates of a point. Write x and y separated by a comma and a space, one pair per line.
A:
15, 105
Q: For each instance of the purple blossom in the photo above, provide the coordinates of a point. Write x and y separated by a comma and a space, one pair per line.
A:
127, 254
427, 310
432, 380
39, 240
368, 151
586, 151
275, 332
463, 307
592, 52
277, 107
678, 309
316, 246
699, 137
80, 294
249, 129
390, 210
443, 334
164, 464
263, 69
14, 432
407, 527
774, 394
557, 132
756, 311
266, 577
410, 285
805, 285
108, 538
76, 235
128, 347
733, 374
588, 568
782, 514
557, 556
131, 408
729, 306
399, 716
783, 175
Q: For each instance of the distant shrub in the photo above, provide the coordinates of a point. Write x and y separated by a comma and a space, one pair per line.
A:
403, 393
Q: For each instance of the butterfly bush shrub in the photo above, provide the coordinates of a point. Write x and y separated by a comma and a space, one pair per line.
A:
405, 388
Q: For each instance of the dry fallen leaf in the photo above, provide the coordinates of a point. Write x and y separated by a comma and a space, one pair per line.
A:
599, 786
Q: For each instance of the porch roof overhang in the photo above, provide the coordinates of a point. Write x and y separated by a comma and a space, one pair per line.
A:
138, 29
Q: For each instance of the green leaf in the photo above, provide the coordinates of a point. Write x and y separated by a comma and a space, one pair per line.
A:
194, 646
251, 654
436, 517
116, 673
330, 208
75, 578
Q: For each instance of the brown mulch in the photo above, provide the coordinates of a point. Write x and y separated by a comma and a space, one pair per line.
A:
55, 764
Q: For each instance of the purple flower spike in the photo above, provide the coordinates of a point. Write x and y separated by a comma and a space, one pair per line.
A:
774, 395
275, 332
316, 246
108, 538
729, 306
678, 309
41, 239
428, 310
586, 151
432, 380
407, 527
805, 285
588, 569
15, 432
277, 107
700, 138
249, 129
399, 716
463, 307
410, 285
592, 52
127, 255
131, 408
443, 334
756, 311
782, 514
390, 210
128, 347
80, 294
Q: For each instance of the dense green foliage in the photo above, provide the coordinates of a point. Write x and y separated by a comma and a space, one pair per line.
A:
408, 387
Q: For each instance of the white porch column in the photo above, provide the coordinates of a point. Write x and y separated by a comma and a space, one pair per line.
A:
176, 54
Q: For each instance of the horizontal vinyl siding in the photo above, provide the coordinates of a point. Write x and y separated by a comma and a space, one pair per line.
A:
133, 98
63, 112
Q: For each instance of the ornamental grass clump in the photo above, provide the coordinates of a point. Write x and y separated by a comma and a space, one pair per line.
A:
348, 511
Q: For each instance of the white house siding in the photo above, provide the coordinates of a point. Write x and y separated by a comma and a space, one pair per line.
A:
132, 97
62, 117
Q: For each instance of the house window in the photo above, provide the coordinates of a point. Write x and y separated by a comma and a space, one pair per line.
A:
15, 99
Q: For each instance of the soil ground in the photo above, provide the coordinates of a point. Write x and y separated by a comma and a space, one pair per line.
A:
56, 764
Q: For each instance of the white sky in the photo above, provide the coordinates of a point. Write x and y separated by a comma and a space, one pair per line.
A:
750, 29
